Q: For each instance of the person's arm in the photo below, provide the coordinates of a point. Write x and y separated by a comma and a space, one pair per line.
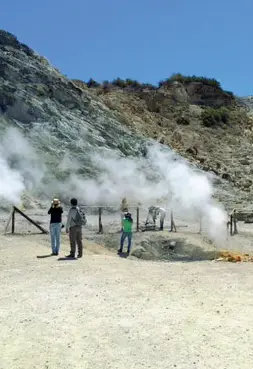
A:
68, 221
50, 210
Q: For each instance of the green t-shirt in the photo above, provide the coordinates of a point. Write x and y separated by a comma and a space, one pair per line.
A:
127, 226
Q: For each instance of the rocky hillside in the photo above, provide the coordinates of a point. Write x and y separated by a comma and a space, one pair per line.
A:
196, 117
67, 126
76, 120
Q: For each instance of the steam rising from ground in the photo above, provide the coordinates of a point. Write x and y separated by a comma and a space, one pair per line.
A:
160, 177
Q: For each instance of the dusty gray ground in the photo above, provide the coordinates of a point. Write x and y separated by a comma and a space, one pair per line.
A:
107, 312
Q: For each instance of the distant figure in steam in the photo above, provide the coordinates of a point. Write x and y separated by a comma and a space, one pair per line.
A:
126, 233
76, 219
123, 210
55, 225
153, 213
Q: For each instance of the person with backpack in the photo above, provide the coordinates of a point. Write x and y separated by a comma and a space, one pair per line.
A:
76, 219
55, 213
126, 233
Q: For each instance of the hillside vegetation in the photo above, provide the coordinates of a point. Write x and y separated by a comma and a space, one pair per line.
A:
193, 115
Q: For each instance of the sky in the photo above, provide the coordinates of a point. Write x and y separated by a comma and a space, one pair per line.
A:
146, 40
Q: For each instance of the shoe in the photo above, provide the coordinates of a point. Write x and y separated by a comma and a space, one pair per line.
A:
57, 253
79, 256
70, 256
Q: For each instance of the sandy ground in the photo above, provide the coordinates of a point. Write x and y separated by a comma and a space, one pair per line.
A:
106, 312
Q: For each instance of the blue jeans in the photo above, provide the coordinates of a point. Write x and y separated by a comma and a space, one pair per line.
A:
125, 235
55, 231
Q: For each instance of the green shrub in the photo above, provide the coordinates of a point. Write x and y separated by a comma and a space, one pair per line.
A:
132, 83
212, 117
148, 86
106, 86
119, 82
92, 83
184, 121
177, 77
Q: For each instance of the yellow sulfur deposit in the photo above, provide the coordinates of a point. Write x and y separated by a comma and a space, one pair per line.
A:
233, 257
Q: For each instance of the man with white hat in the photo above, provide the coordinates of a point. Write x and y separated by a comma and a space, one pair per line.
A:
55, 225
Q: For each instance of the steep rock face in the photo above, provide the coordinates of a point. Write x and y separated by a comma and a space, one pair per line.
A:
206, 95
32, 92
67, 126
197, 93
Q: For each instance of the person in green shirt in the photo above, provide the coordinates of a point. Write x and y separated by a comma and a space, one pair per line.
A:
127, 224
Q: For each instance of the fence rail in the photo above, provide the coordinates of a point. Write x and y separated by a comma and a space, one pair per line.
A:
101, 219
106, 219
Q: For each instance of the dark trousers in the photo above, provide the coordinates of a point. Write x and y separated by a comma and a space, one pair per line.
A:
125, 235
161, 224
75, 238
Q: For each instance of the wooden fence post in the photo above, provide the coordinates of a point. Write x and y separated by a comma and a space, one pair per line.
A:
235, 225
137, 219
172, 223
231, 224
100, 225
13, 221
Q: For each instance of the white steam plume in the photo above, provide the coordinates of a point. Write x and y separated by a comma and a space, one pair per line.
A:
11, 184
161, 175
20, 166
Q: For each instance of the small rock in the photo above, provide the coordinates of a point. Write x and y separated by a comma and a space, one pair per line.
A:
192, 150
226, 176
183, 121
245, 161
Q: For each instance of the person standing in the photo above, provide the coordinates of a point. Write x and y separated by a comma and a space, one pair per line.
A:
55, 212
153, 213
74, 228
126, 233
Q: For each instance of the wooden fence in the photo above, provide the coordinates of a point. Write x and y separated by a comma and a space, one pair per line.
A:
235, 216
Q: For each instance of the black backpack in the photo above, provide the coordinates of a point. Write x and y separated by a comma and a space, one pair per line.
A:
80, 219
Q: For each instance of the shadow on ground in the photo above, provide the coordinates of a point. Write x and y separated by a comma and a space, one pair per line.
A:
44, 256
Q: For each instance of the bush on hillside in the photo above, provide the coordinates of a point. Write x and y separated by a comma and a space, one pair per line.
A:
177, 77
212, 117
184, 121
119, 83
106, 86
92, 83
132, 83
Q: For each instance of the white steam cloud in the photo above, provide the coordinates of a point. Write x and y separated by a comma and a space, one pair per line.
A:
160, 177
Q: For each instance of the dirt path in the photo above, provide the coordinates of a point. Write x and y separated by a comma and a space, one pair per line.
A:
107, 312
